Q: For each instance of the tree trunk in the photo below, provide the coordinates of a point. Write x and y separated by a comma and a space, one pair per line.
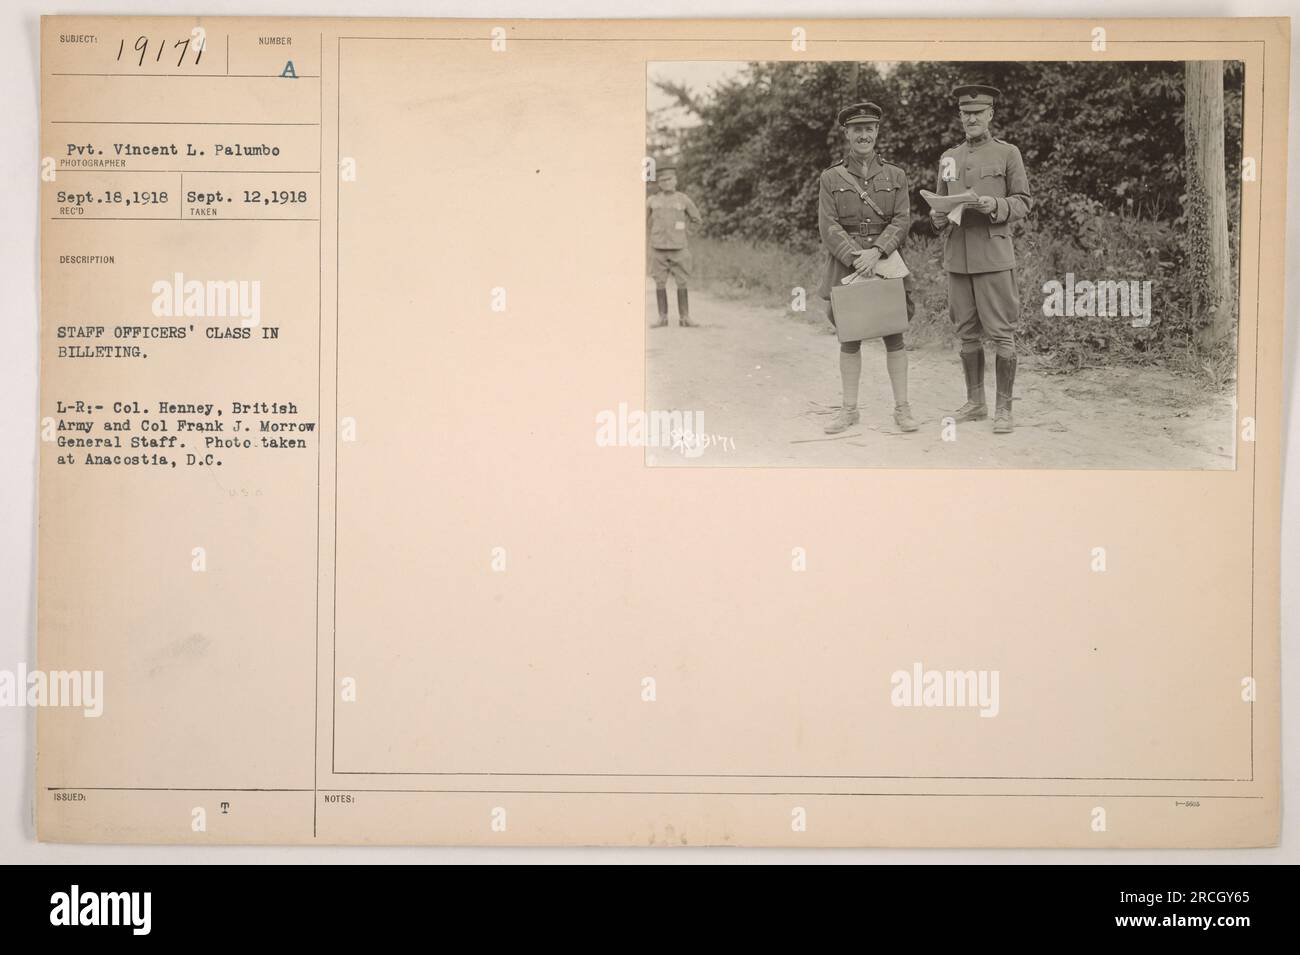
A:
1207, 201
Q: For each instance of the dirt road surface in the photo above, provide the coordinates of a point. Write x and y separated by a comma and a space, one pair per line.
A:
768, 384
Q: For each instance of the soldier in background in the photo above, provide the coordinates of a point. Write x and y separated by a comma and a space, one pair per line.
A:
983, 298
863, 217
667, 214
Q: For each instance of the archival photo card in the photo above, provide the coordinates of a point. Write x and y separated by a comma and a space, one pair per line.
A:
660, 433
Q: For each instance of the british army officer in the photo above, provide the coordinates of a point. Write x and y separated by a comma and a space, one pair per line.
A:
862, 214
983, 298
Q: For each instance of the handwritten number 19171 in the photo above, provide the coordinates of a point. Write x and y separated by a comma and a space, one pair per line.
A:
142, 47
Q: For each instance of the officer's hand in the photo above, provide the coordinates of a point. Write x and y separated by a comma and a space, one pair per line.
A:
988, 205
866, 260
938, 220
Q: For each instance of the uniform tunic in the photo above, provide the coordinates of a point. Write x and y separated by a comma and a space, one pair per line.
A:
982, 243
849, 223
668, 213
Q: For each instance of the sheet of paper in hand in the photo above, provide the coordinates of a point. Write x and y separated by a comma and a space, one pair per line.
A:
950, 205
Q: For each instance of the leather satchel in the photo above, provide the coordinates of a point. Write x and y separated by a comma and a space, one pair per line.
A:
871, 308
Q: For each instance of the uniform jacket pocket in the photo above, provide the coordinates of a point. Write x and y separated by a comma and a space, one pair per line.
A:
847, 206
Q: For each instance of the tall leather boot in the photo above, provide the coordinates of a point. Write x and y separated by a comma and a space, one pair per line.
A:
975, 408
684, 309
1006, 372
896, 364
661, 300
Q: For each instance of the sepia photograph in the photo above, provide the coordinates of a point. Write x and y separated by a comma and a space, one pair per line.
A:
944, 264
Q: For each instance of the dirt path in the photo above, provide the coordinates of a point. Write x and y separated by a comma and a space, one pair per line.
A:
769, 384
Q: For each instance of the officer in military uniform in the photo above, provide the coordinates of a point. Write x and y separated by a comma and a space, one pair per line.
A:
667, 215
983, 298
863, 216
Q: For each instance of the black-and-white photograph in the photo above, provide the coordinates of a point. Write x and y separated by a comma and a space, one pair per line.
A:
944, 264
